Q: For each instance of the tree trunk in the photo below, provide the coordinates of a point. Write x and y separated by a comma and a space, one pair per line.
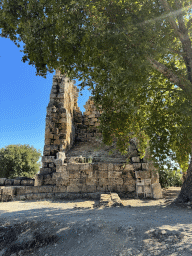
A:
186, 189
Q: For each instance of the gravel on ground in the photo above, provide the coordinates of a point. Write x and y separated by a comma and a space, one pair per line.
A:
142, 227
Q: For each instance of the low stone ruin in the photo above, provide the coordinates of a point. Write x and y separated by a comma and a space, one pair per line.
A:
75, 164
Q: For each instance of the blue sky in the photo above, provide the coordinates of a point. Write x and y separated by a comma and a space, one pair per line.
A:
23, 99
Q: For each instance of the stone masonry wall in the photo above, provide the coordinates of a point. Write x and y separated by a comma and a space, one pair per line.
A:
71, 163
60, 129
86, 128
83, 179
73, 134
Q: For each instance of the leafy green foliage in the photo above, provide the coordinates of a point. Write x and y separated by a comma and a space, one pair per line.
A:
135, 56
19, 161
170, 178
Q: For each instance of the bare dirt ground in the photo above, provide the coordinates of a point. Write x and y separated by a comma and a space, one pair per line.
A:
142, 227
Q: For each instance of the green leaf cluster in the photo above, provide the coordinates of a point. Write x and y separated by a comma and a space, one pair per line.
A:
19, 161
170, 178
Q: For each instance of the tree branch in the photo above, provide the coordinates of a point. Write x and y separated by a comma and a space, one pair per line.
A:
164, 70
182, 33
171, 19
186, 42
167, 73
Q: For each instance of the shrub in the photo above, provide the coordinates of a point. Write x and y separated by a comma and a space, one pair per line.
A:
170, 178
19, 161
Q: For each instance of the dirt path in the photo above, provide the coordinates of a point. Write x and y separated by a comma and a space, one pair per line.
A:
79, 228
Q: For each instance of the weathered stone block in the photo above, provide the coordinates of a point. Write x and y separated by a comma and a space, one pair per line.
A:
95, 166
103, 174
73, 188
136, 159
62, 182
56, 175
143, 174
30, 189
17, 183
129, 183
48, 159
90, 181
101, 188
27, 182
49, 195
90, 175
37, 196
86, 167
62, 168
154, 177
145, 166
59, 189
7, 194
74, 174
45, 170
78, 181
128, 167
83, 175
91, 188
102, 166
137, 166
47, 147
73, 167
129, 188
59, 162
45, 165
114, 174
118, 181
111, 188
156, 191
103, 182
122, 189
45, 189
147, 190
115, 181
60, 155
2, 181
22, 197
20, 190
8, 191
117, 167
9, 182
110, 167
46, 153
47, 180
38, 180
65, 175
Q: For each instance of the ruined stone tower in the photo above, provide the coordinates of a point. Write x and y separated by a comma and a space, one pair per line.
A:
75, 163
74, 158
60, 130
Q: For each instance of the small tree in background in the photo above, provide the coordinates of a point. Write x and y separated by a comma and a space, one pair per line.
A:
170, 178
19, 161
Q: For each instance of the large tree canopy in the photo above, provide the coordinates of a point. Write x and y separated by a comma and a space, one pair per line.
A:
136, 56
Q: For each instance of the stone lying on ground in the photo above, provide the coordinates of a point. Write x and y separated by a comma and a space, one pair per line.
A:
110, 200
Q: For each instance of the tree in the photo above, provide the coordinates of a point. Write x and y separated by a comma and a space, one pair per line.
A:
19, 161
136, 57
